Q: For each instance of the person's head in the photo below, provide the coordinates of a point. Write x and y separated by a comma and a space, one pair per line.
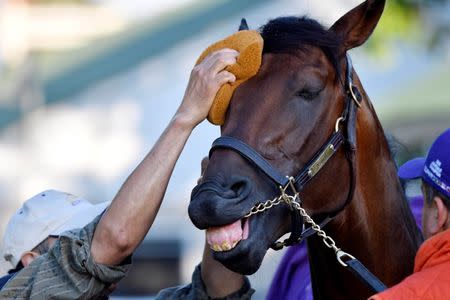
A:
436, 207
35, 227
434, 170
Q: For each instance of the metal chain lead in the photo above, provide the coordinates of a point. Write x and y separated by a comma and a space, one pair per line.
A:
293, 203
327, 240
260, 207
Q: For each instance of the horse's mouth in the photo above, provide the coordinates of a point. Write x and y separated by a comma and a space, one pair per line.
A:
239, 243
239, 246
227, 237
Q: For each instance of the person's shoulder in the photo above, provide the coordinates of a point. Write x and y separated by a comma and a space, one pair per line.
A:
431, 283
175, 293
435, 281
84, 233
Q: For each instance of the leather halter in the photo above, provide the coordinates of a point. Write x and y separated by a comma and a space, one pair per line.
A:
339, 137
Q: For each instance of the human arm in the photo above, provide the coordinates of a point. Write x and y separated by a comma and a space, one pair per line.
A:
221, 282
210, 280
197, 290
134, 208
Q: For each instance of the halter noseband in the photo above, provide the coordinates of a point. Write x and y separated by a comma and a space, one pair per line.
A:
314, 165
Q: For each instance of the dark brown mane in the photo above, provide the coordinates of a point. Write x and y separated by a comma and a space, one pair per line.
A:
289, 34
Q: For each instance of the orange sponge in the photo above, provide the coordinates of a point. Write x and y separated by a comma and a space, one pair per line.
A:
249, 44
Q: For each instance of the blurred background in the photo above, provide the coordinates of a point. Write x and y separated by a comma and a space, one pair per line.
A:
87, 86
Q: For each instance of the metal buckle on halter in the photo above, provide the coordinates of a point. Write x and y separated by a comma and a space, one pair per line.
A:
349, 81
289, 199
338, 122
341, 255
352, 93
292, 200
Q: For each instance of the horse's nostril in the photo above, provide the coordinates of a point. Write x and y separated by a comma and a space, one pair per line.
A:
238, 187
216, 203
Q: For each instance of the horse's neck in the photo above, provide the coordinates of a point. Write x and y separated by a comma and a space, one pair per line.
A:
377, 228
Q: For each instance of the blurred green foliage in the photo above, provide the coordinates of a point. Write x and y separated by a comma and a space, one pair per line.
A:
401, 20
407, 20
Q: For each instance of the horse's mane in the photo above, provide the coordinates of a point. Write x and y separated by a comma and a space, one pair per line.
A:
290, 34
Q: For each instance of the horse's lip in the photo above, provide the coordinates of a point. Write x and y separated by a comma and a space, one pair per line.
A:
225, 238
241, 244
233, 258
225, 255
246, 257
216, 188
242, 218
214, 206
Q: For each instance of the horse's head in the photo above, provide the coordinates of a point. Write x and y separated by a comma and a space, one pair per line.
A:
286, 113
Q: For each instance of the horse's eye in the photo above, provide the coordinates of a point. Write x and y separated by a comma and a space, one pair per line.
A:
307, 94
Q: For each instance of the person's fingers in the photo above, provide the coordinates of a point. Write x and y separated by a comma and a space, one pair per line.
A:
205, 80
224, 77
224, 51
218, 60
229, 50
204, 164
222, 62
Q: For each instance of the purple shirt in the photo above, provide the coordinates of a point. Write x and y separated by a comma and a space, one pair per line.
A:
292, 279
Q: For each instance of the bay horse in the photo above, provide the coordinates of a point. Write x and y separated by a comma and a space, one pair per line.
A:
285, 114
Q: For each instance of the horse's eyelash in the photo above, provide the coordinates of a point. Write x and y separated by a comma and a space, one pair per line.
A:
306, 94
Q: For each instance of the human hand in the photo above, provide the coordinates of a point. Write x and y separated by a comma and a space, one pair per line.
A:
205, 80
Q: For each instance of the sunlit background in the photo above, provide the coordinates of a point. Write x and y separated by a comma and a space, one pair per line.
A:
86, 88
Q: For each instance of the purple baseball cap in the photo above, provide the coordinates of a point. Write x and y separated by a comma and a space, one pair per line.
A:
435, 168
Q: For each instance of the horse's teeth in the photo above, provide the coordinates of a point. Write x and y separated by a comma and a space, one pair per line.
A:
226, 246
216, 248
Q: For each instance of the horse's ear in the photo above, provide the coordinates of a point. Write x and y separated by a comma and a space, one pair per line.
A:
356, 26
244, 25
